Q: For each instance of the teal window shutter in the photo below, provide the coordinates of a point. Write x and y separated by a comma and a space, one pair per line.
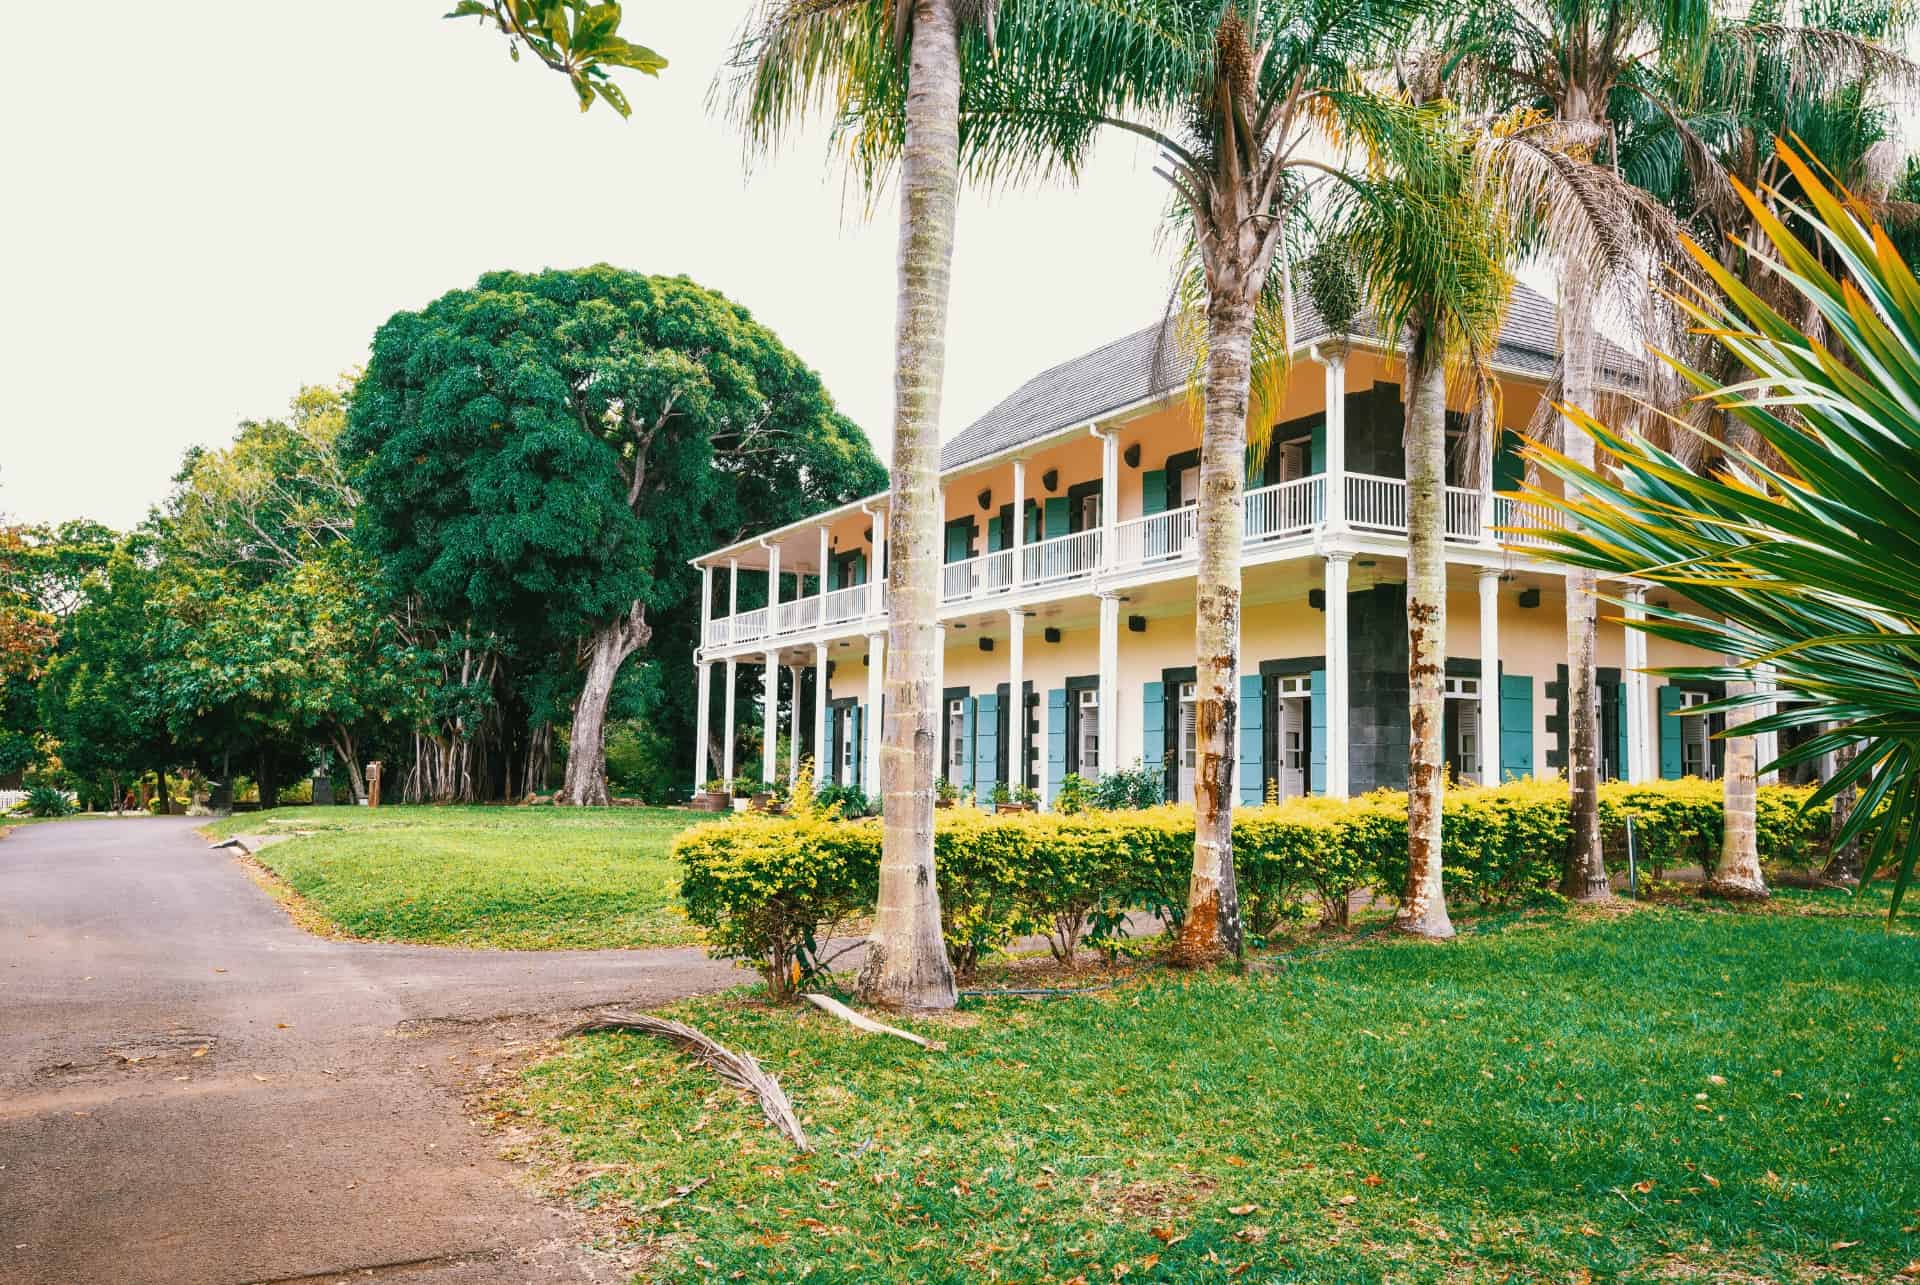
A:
1153, 491
963, 770
1317, 731
1516, 726
1317, 447
958, 540
1508, 468
986, 746
1671, 761
859, 569
1057, 516
1153, 728
1056, 740
1253, 740
1033, 522
1620, 730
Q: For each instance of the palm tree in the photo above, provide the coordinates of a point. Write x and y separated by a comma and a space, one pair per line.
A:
1574, 61
1244, 99
1433, 246
1801, 554
1710, 125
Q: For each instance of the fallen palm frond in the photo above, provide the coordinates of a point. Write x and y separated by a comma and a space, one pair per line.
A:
828, 1004
737, 1069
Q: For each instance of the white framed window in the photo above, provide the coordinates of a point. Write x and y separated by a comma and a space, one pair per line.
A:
1291, 686
1696, 739
1188, 486
1087, 731
1293, 457
1090, 512
1189, 733
956, 737
1457, 688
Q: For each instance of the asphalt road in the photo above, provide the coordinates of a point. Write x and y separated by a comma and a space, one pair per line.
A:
192, 1090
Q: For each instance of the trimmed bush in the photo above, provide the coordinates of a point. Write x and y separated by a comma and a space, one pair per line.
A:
773, 890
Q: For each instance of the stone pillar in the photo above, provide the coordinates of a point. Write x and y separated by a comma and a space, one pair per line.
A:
703, 722
770, 717
1489, 676
1633, 680
1339, 701
1019, 522
793, 725
726, 737
822, 768
1109, 682
1016, 693
876, 675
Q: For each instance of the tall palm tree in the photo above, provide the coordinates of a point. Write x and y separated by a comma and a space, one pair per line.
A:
890, 74
1573, 60
1245, 100
1799, 555
1706, 127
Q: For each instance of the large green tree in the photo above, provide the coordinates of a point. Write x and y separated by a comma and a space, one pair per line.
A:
541, 455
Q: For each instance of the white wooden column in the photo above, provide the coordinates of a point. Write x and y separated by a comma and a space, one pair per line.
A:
1019, 521
1634, 685
821, 588
793, 726
876, 674
877, 573
1109, 504
1489, 676
822, 752
1016, 689
706, 606
703, 725
1334, 503
1339, 710
770, 718
733, 610
726, 743
1109, 722
773, 588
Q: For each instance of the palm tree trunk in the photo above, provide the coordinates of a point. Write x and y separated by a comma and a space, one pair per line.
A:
1738, 876
1586, 871
906, 962
1423, 912
1211, 930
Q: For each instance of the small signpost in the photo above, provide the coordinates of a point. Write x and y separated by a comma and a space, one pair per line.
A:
373, 785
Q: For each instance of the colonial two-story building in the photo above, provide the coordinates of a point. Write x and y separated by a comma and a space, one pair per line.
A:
1067, 605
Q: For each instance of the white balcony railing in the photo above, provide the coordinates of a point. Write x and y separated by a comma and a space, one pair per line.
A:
1463, 512
1509, 512
1156, 538
843, 605
980, 577
801, 613
1065, 557
1376, 503
1285, 508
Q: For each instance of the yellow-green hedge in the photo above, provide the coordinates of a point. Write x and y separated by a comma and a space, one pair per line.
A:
768, 888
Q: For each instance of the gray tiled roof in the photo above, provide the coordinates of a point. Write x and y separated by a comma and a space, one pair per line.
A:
1151, 362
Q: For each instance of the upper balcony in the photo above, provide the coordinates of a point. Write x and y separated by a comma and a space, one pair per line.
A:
1086, 479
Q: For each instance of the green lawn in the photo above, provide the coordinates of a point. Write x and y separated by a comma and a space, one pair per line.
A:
512, 878
1658, 1094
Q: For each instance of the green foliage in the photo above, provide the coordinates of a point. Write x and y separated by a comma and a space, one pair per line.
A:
1799, 554
578, 38
47, 801
1133, 787
1333, 285
846, 801
1075, 795
1066, 875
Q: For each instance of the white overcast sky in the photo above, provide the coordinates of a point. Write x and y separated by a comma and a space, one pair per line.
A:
206, 212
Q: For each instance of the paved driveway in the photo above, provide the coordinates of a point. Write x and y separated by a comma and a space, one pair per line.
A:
318, 1136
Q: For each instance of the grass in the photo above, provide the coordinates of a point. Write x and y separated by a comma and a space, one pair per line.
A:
509, 878
1666, 1093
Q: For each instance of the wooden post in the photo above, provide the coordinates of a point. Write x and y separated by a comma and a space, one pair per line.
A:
373, 785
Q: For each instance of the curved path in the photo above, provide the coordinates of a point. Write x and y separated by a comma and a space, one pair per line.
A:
319, 1135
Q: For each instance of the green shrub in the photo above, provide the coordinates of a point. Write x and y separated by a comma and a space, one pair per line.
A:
48, 801
773, 890
846, 801
1075, 794
1133, 787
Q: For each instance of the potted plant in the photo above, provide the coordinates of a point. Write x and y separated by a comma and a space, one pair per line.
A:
945, 793
744, 788
714, 796
1001, 797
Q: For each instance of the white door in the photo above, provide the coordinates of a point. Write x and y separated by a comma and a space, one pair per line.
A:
956, 740
1464, 751
1188, 485
1293, 748
1293, 460
1189, 744
1088, 712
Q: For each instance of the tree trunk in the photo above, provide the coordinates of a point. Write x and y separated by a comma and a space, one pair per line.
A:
1843, 859
1586, 871
268, 783
1423, 913
349, 751
586, 783
166, 795
906, 962
1211, 929
1738, 876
